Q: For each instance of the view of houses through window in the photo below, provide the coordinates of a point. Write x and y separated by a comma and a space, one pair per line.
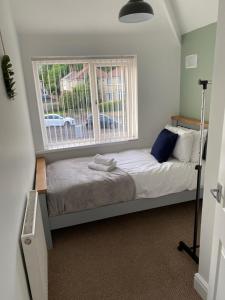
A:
84, 102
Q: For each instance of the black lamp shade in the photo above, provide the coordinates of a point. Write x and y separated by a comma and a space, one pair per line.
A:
136, 11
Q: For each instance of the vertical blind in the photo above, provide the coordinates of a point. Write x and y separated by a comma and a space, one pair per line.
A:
86, 101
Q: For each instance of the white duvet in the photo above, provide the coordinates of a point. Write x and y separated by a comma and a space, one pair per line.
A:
153, 179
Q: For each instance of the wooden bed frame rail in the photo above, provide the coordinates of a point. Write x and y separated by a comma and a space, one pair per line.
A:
41, 180
52, 223
41, 188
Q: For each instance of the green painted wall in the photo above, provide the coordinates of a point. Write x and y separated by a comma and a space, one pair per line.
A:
202, 43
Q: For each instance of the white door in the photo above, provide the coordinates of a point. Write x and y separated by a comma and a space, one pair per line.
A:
216, 289
217, 269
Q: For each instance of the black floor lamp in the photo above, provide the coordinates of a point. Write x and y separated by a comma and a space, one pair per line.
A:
192, 251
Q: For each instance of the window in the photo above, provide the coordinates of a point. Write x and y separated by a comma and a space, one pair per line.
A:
86, 101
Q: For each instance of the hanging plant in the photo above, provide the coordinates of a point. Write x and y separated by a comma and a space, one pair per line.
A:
8, 76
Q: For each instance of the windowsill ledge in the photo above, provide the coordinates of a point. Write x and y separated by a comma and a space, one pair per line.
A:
79, 147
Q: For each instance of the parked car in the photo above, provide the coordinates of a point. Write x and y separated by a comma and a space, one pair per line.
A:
57, 120
45, 97
105, 122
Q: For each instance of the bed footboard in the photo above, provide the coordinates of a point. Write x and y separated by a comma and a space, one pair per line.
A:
41, 188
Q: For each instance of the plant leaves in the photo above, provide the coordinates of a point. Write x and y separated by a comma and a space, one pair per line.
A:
8, 76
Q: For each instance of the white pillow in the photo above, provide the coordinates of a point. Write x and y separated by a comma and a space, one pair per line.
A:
196, 145
183, 148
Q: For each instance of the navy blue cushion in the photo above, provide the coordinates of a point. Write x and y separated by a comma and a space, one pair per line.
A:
164, 145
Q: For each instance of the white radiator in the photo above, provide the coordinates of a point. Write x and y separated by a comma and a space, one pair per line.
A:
35, 249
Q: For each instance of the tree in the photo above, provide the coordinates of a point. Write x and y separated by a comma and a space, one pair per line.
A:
107, 69
51, 74
77, 99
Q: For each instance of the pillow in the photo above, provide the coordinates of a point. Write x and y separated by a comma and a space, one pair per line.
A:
185, 129
196, 142
183, 148
196, 145
179, 129
164, 145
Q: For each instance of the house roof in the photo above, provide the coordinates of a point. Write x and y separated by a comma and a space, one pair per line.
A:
80, 75
76, 75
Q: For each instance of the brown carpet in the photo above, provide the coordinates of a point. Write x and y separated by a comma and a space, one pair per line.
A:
125, 258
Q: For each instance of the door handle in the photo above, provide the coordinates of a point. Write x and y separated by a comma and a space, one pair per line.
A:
217, 193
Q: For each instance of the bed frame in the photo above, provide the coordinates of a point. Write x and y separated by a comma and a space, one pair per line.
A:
53, 223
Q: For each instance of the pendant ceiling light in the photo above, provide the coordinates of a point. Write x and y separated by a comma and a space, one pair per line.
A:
136, 11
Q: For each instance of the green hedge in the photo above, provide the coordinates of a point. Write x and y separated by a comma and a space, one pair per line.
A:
110, 106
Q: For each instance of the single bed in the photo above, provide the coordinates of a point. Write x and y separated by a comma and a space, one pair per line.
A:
73, 187
142, 183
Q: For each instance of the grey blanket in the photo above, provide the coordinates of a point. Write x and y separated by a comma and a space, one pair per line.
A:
73, 187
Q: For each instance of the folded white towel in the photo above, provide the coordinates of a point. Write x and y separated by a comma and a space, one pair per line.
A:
100, 159
100, 167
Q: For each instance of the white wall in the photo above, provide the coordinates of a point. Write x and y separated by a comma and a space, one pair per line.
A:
158, 74
17, 164
214, 145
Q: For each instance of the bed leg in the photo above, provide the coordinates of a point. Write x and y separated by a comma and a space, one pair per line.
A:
44, 211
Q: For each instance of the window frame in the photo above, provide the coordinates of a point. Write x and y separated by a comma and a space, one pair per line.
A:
93, 63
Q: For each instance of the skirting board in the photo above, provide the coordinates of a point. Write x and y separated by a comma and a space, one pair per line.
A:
201, 286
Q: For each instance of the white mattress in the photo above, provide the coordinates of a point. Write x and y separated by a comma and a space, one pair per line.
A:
153, 179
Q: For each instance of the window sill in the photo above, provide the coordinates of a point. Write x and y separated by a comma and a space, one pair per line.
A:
79, 147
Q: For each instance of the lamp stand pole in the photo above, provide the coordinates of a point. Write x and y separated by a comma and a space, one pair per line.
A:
192, 251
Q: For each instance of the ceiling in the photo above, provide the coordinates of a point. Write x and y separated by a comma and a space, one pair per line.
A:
76, 16
193, 14
91, 16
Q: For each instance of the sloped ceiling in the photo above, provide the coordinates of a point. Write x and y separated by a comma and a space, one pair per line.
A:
194, 14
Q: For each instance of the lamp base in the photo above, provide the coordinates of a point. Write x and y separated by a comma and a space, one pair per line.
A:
191, 251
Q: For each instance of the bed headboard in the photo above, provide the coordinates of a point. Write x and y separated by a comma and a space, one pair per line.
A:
187, 122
